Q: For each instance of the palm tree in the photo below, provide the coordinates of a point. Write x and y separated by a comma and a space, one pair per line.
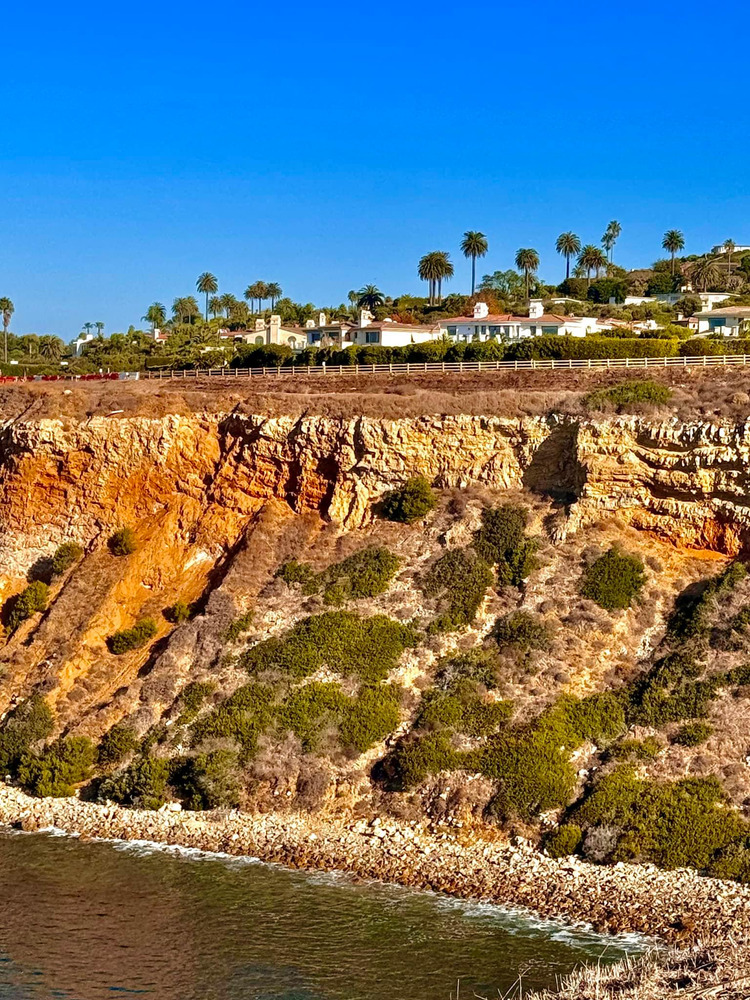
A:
214, 305
704, 272
227, 301
474, 244
527, 260
611, 235
156, 315
273, 291
444, 267
207, 285
568, 245
88, 327
7, 309
370, 297
428, 270
185, 308
729, 247
99, 329
672, 242
592, 259
254, 291
51, 348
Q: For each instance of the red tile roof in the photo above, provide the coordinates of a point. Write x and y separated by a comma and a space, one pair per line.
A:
494, 319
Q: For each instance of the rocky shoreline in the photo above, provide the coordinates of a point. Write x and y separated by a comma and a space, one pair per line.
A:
675, 906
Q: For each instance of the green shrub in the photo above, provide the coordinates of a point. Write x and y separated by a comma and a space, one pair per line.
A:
633, 750
65, 556
310, 709
368, 648
679, 824
692, 734
740, 675
240, 624
208, 781
55, 770
592, 347
294, 572
115, 745
192, 699
564, 841
524, 630
694, 607
364, 574
410, 503
123, 542
670, 691
142, 784
22, 606
502, 542
627, 393
242, 717
27, 724
614, 580
178, 613
460, 580
461, 709
413, 760
700, 346
370, 717
127, 639
480, 665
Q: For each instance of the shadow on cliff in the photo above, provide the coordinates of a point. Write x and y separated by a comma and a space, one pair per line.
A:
554, 470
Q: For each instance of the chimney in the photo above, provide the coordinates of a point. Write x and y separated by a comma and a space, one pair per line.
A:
275, 329
365, 317
321, 319
260, 326
536, 309
481, 311
309, 324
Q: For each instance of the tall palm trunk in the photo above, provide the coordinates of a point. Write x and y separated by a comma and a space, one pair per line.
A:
673, 263
567, 266
5, 343
473, 272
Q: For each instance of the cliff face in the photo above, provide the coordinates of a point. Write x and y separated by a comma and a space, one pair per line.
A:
194, 482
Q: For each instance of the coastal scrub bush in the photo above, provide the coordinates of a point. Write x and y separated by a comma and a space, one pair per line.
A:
626, 393
501, 541
564, 841
242, 717
368, 648
30, 601
127, 639
123, 542
480, 664
208, 780
300, 573
309, 710
414, 759
670, 691
66, 555
142, 784
178, 613
462, 709
680, 824
370, 717
192, 699
524, 630
115, 745
55, 770
692, 734
240, 624
27, 724
614, 580
413, 501
459, 579
648, 748
694, 607
366, 573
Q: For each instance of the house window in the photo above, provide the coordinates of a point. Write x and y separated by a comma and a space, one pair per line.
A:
714, 324
506, 331
549, 329
532, 331
314, 338
260, 340
372, 337
494, 331
452, 331
293, 343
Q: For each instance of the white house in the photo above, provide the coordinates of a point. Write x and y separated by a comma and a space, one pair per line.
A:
80, 342
729, 321
483, 325
369, 331
269, 331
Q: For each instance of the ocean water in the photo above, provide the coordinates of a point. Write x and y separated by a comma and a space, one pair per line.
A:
95, 920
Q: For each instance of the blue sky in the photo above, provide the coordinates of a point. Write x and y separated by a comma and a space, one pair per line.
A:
328, 145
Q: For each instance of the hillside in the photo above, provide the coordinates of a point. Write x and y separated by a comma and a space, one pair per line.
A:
554, 647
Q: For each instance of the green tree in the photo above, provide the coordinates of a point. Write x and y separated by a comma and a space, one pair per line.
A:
473, 245
568, 245
185, 309
214, 305
591, 258
370, 297
274, 292
427, 270
673, 241
611, 235
7, 309
253, 292
527, 260
705, 272
729, 248
51, 347
227, 301
444, 271
207, 285
156, 315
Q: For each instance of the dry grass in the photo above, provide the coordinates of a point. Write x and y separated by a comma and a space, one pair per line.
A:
713, 393
708, 972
